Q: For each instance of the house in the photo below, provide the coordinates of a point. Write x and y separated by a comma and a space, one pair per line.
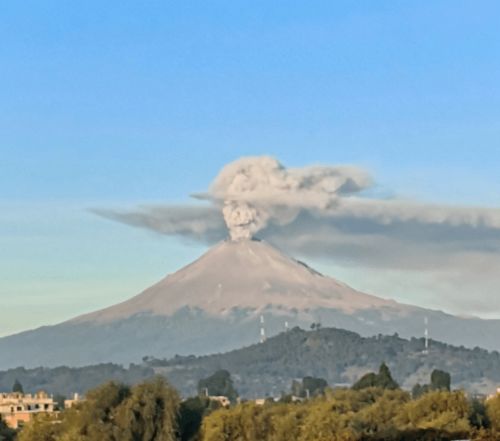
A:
16, 409
494, 395
222, 400
72, 401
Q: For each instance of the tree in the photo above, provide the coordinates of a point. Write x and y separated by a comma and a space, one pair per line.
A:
367, 380
376, 421
6, 433
218, 384
321, 424
149, 413
435, 415
440, 380
310, 386
113, 412
383, 380
95, 418
286, 421
43, 427
191, 414
418, 390
478, 416
493, 412
17, 387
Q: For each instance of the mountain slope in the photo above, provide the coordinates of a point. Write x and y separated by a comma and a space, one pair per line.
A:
215, 304
245, 274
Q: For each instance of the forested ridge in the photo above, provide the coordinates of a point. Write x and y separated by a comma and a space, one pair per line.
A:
338, 356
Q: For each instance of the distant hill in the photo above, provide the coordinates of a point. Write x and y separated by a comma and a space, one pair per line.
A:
66, 381
215, 303
338, 356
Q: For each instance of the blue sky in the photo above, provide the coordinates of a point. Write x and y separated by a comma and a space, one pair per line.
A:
121, 103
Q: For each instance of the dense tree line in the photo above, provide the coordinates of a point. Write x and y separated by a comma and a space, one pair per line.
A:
375, 409
113, 412
369, 414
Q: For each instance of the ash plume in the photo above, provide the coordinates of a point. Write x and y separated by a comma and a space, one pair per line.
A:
326, 212
255, 191
317, 211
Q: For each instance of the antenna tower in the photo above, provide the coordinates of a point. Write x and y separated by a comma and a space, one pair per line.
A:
262, 330
426, 336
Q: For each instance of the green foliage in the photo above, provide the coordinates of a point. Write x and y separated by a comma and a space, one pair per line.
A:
6, 434
114, 412
377, 420
440, 380
478, 416
309, 386
191, 414
151, 411
218, 384
493, 413
370, 414
43, 428
441, 411
17, 387
315, 386
382, 380
418, 390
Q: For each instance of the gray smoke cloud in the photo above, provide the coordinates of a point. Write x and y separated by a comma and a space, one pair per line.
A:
258, 195
198, 223
327, 213
259, 190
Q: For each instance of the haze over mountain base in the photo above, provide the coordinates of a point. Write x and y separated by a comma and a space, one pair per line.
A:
214, 305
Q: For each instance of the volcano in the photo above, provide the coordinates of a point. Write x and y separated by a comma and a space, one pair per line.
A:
248, 275
217, 303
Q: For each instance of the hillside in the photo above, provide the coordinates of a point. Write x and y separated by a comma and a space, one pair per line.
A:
214, 305
340, 357
337, 355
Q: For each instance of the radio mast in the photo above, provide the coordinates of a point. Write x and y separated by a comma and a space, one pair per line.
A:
426, 336
262, 330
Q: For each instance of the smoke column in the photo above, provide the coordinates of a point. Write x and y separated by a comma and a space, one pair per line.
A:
257, 190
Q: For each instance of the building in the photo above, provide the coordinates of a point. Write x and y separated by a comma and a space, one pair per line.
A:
73, 401
494, 395
16, 409
221, 399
